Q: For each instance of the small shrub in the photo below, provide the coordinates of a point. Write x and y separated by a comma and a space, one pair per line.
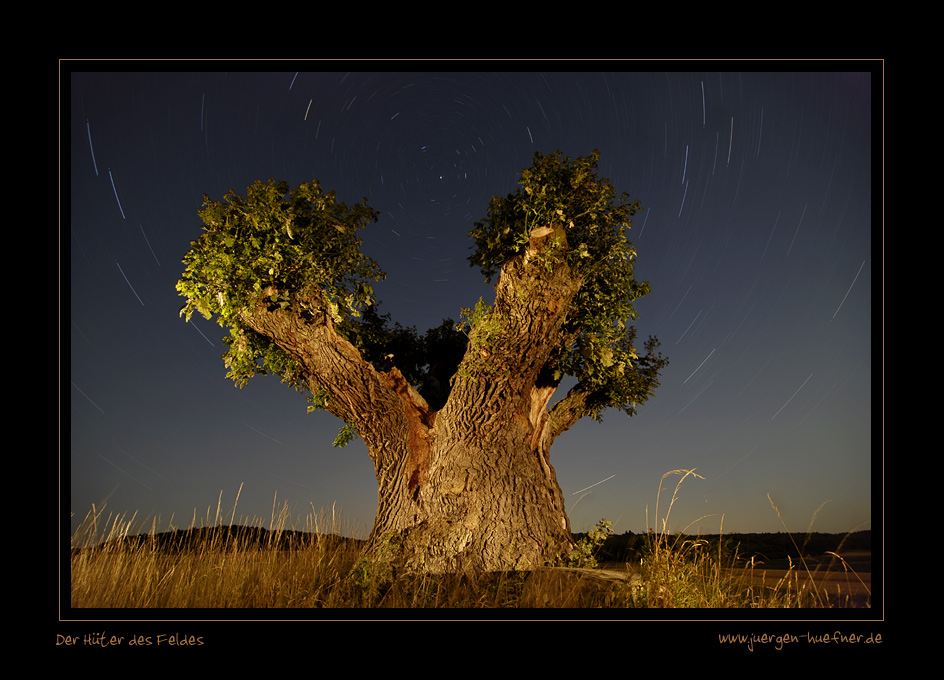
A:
584, 554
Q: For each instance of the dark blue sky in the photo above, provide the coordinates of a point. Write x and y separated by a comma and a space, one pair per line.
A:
755, 234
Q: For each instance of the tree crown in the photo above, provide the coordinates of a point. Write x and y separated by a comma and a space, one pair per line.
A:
276, 243
596, 344
299, 249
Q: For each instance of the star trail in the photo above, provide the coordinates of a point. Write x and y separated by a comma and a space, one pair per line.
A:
755, 234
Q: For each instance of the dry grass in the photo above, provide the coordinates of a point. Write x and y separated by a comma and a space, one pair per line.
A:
681, 571
232, 567
227, 567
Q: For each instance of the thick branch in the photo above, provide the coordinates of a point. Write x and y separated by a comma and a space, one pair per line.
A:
566, 412
357, 393
511, 348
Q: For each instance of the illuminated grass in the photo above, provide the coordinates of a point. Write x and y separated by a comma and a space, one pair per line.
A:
116, 563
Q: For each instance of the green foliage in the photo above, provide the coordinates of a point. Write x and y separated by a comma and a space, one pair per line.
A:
478, 318
375, 571
346, 435
298, 249
584, 553
383, 345
426, 361
294, 248
481, 326
596, 344
443, 349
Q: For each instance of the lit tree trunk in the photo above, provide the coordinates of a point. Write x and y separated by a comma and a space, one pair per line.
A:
469, 486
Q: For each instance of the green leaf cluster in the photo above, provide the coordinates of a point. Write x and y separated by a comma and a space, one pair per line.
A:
597, 342
479, 324
299, 249
276, 243
584, 552
346, 435
427, 361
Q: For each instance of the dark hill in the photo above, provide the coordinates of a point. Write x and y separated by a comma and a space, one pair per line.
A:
765, 547
226, 538
628, 547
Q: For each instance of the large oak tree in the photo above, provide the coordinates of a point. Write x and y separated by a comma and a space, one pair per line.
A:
458, 422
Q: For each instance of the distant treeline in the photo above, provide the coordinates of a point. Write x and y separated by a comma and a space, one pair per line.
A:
224, 537
627, 547
766, 547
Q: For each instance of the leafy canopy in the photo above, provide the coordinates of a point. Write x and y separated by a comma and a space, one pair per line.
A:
596, 345
426, 361
294, 247
279, 244
299, 248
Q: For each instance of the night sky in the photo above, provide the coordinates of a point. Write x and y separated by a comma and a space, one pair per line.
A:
755, 234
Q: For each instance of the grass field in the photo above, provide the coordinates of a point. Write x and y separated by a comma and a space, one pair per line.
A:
241, 565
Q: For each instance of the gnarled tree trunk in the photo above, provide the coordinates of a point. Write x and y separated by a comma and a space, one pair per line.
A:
469, 486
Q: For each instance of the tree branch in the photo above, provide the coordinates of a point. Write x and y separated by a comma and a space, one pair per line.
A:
356, 392
566, 412
511, 346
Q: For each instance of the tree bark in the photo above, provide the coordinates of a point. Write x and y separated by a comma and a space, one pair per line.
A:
469, 486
